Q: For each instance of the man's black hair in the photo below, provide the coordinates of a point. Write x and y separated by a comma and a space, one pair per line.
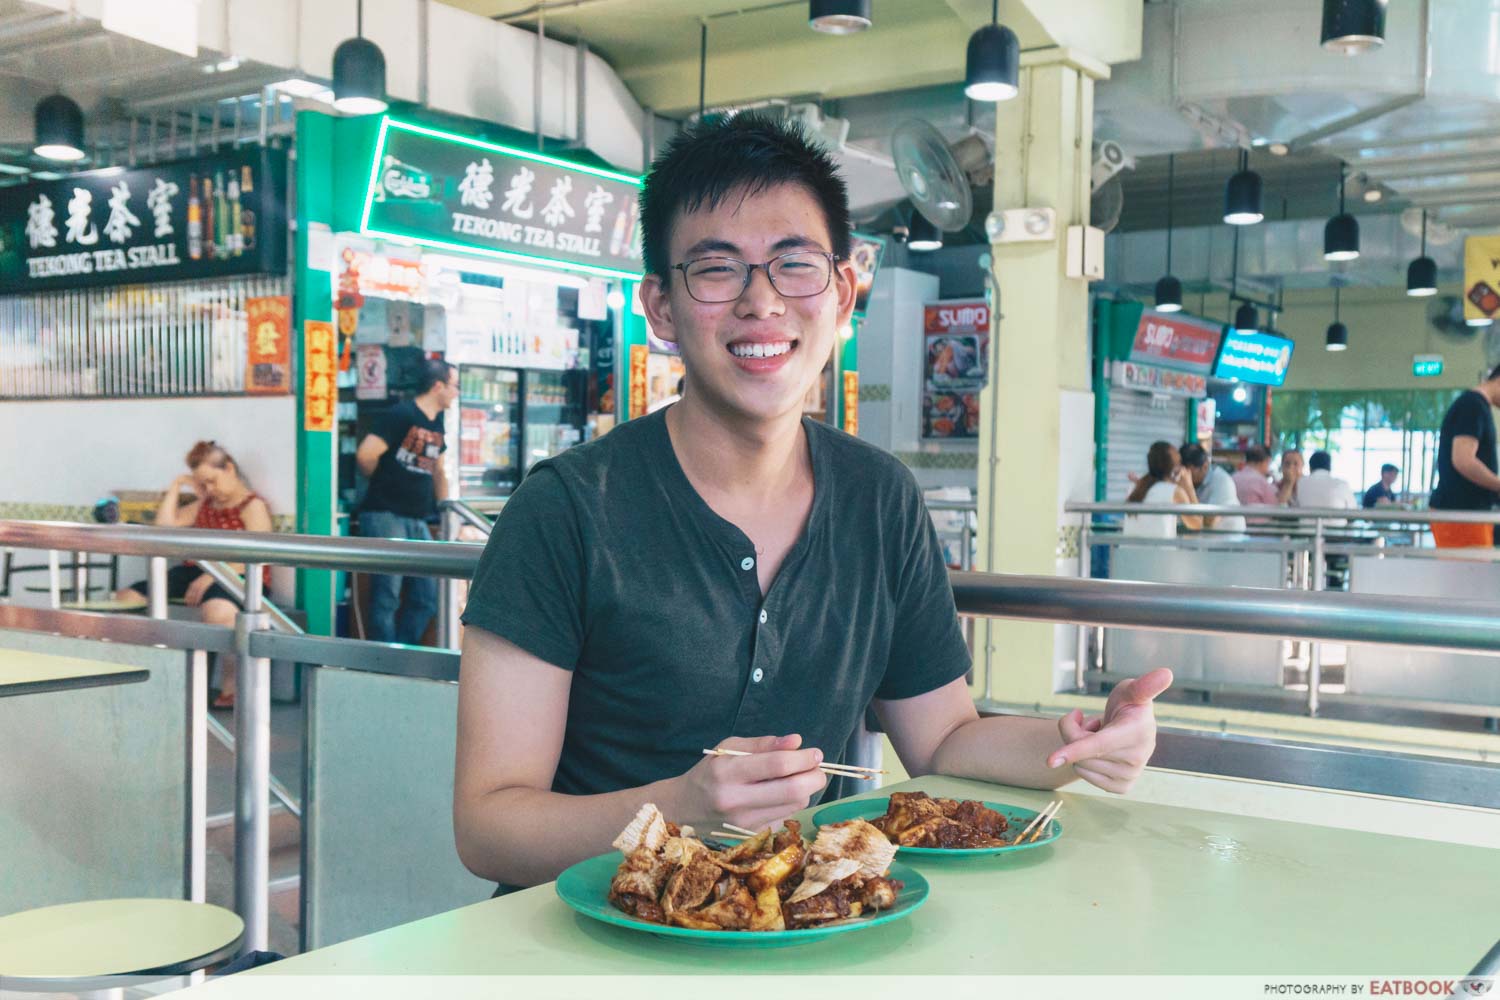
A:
1193, 455
1256, 454
1320, 460
719, 158
1388, 467
435, 372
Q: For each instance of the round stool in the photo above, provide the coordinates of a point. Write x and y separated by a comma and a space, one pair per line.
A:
83, 946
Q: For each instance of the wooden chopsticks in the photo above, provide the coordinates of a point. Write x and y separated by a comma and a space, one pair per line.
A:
1039, 824
837, 770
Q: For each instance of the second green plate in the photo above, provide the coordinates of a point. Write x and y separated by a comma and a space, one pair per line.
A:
1015, 815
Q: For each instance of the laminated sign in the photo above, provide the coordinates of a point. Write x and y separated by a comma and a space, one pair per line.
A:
268, 336
320, 394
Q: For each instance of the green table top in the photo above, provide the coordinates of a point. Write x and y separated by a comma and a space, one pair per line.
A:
116, 937
1130, 887
24, 672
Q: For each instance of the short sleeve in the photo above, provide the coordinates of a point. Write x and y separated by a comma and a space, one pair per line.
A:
928, 649
391, 426
529, 586
1476, 417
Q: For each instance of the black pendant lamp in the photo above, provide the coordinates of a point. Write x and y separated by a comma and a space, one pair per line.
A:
922, 235
1341, 234
994, 63
1168, 288
1337, 338
839, 17
59, 129
359, 72
1421, 274
1353, 26
1245, 318
1242, 195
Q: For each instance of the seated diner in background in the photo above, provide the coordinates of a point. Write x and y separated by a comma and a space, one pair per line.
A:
1320, 488
1291, 474
1213, 486
222, 501
1165, 481
1380, 494
1252, 483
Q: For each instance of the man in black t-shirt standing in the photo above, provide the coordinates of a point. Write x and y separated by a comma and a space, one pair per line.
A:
1466, 465
725, 573
402, 458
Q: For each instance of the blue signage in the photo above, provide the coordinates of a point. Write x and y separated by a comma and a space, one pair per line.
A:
1259, 358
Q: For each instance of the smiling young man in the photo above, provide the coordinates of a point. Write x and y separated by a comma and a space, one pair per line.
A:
725, 572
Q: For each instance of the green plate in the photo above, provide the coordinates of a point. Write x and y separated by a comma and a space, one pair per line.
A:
1015, 815
585, 887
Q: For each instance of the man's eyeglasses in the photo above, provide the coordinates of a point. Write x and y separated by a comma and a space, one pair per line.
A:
796, 275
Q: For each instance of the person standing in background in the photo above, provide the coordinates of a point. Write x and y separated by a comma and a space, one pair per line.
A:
1466, 465
402, 456
1252, 483
1381, 494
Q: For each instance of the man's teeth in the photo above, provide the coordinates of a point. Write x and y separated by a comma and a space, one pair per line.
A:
760, 350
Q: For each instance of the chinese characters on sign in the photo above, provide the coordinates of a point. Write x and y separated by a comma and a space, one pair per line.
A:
450, 191
639, 354
851, 403
1163, 381
320, 393
268, 369
189, 219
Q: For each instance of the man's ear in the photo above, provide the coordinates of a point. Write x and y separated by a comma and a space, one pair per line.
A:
656, 299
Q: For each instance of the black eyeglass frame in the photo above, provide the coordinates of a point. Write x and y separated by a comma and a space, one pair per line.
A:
833, 260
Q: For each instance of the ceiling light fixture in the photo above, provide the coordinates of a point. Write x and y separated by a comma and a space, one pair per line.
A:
1279, 149
1352, 27
1337, 338
1421, 274
922, 235
359, 72
839, 17
993, 68
59, 129
1242, 195
1168, 288
1341, 234
1245, 318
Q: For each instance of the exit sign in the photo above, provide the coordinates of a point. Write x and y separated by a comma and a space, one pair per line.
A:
1426, 365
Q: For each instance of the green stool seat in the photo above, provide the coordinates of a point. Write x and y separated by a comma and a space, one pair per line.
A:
82, 944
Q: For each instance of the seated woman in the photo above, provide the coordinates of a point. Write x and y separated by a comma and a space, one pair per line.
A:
223, 502
1166, 481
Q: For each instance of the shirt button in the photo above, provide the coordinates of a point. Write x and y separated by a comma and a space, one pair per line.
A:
757, 675
747, 564
763, 616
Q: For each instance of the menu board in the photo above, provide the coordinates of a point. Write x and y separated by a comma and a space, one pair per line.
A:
956, 345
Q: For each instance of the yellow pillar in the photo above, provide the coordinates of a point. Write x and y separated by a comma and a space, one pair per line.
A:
1036, 439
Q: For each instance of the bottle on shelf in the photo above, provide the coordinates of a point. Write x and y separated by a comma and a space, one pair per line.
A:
210, 248
221, 217
194, 221
236, 240
247, 214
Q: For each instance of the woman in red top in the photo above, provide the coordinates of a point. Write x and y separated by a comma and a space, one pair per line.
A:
221, 501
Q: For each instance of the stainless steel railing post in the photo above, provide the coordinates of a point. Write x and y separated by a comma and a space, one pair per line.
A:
448, 624
1315, 654
156, 587
1085, 571
54, 579
252, 772
81, 577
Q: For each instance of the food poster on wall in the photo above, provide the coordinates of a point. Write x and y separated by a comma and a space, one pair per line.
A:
956, 347
320, 391
369, 364
268, 328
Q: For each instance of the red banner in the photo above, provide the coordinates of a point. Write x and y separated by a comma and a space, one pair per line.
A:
320, 392
851, 403
638, 356
268, 339
957, 317
1178, 341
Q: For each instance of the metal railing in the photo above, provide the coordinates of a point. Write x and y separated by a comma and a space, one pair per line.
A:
1414, 622
1326, 522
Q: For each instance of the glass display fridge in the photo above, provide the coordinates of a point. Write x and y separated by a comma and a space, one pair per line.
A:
512, 418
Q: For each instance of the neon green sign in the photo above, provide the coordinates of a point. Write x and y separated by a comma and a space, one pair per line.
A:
452, 192
1426, 365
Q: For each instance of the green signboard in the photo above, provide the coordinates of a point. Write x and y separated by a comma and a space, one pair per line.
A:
451, 192
1426, 365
